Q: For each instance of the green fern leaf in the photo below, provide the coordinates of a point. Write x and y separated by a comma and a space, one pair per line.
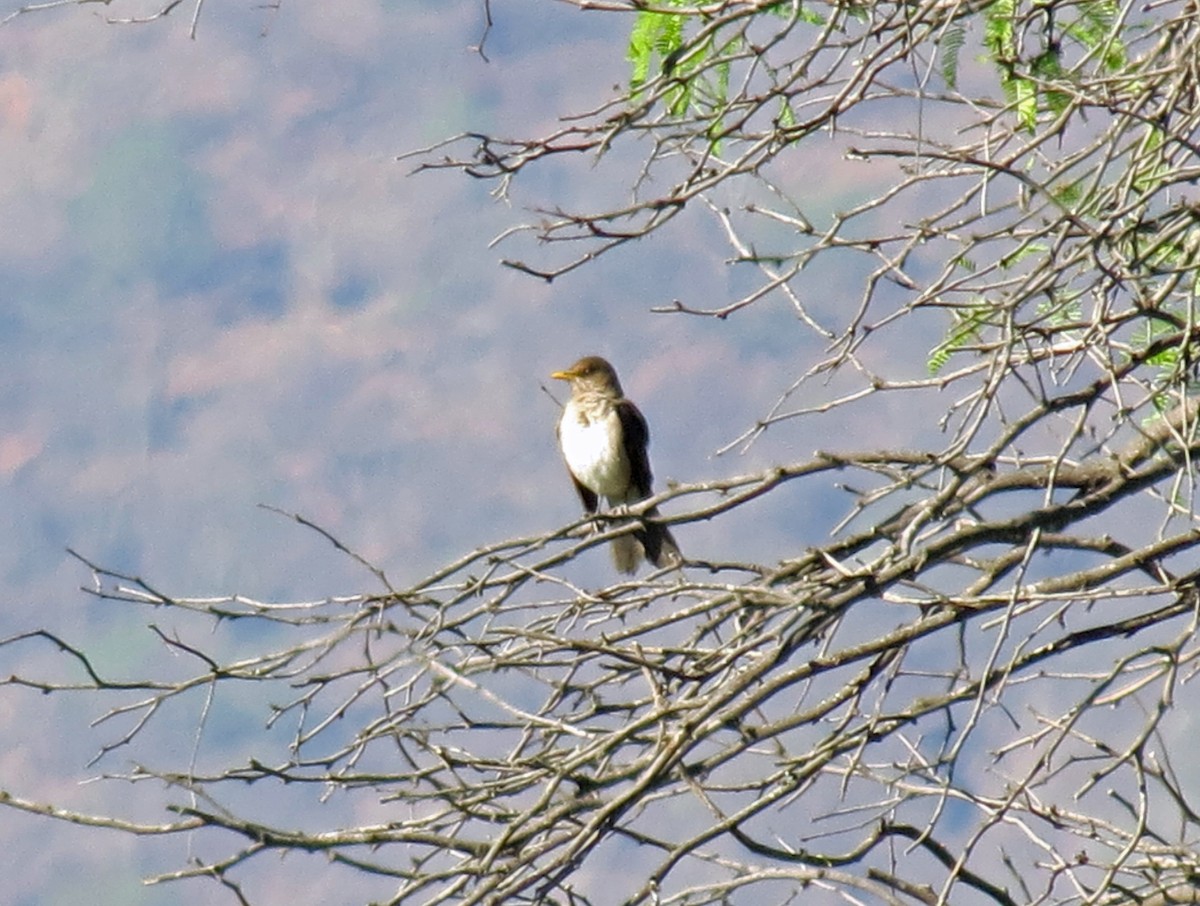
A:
951, 43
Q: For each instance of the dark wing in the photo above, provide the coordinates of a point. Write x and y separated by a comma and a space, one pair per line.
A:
637, 438
586, 495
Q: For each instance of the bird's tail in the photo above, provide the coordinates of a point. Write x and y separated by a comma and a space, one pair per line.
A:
627, 553
658, 543
651, 540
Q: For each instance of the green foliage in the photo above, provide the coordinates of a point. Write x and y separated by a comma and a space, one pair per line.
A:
1157, 252
1094, 29
967, 327
699, 67
1047, 67
1000, 40
1033, 80
787, 116
699, 71
969, 323
786, 9
655, 36
948, 48
1152, 167
1060, 312
1175, 365
1069, 195
1008, 262
1162, 254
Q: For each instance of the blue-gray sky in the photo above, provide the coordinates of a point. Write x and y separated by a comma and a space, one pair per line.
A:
221, 289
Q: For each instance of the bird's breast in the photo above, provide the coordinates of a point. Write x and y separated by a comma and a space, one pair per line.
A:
595, 453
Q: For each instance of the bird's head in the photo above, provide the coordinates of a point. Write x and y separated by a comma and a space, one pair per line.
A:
591, 373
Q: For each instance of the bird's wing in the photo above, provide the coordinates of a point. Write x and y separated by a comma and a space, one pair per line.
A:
637, 438
586, 495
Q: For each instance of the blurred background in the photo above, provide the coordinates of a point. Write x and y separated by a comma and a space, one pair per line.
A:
221, 289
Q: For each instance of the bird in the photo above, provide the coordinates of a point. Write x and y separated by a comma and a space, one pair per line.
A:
603, 437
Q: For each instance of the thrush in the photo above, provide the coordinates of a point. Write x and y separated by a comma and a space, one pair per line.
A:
603, 438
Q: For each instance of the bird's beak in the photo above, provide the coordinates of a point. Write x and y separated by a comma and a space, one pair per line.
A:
563, 375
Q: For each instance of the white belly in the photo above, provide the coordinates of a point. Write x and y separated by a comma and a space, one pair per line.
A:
595, 455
